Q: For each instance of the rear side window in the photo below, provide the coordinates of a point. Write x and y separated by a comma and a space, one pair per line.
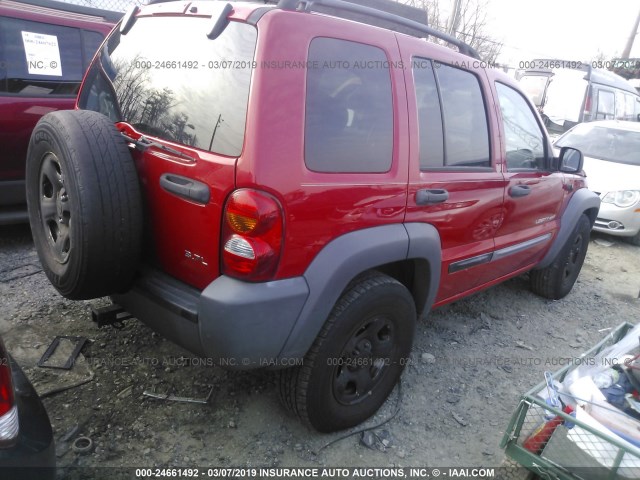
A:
452, 119
429, 115
39, 59
349, 112
606, 105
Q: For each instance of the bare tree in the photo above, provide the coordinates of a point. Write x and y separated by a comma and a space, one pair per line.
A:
467, 21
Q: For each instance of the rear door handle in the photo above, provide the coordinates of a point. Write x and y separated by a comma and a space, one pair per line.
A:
185, 187
431, 196
519, 191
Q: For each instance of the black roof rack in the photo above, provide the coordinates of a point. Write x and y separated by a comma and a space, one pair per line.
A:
420, 29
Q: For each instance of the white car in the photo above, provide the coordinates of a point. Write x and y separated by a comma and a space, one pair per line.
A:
611, 152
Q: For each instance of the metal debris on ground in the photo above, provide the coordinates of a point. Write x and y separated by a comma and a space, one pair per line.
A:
68, 364
112, 315
604, 243
82, 445
459, 419
174, 398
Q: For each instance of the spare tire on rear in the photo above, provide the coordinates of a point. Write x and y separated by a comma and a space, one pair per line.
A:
84, 202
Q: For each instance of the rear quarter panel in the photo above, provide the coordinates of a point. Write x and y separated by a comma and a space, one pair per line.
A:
318, 206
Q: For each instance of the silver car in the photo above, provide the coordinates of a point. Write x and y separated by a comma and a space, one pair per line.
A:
611, 152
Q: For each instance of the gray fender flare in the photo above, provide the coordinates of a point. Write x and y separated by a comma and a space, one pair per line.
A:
581, 201
351, 254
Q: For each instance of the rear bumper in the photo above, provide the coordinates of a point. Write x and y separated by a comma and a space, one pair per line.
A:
33, 455
238, 325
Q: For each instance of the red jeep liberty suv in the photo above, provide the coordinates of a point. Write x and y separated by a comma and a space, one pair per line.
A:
269, 185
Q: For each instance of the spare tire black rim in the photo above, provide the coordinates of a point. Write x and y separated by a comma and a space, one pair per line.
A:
55, 208
364, 360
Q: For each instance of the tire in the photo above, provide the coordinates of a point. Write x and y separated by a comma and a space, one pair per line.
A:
84, 202
556, 280
357, 358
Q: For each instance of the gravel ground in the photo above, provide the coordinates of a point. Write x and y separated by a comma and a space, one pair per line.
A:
471, 361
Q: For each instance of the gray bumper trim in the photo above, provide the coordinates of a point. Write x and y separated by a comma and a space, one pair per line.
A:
245, 325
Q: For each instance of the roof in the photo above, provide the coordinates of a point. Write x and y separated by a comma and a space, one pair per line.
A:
358, 10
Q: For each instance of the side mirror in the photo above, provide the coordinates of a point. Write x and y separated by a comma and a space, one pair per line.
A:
570, 160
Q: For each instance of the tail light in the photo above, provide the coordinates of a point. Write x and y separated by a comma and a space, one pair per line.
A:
251, 235
587, 106
8, 409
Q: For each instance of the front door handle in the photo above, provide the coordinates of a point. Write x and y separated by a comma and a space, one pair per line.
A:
431, 196
519, 191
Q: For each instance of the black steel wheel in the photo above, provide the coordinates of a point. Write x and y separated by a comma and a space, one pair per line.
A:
357, 358
85, 208
557, 280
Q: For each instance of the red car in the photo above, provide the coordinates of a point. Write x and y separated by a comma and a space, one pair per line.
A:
274, 187
45, 48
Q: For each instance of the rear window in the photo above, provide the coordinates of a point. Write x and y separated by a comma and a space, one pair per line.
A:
39, 59
176, 86
349, 111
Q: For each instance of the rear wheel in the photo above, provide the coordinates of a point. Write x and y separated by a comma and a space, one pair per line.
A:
357, 358
84, 203
556, 280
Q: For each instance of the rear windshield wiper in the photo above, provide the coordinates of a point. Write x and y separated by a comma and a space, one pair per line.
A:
143, 143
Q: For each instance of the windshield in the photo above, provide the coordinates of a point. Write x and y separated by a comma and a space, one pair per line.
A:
168, 79
533, 86
604, 143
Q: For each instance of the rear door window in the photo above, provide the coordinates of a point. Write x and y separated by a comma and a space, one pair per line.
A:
465, 118
349, 108
452, 119
39, 59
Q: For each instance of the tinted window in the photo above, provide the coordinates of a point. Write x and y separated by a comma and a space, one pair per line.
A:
180, 94
349, 114
92, 41
524, 140
429, 114
43, 59
465, 118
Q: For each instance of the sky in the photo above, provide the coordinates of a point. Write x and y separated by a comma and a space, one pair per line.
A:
573, 30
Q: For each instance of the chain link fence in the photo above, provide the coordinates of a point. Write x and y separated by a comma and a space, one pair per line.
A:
113, 5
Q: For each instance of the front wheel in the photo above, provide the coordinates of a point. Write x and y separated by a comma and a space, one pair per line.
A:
357, 358
556, 280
